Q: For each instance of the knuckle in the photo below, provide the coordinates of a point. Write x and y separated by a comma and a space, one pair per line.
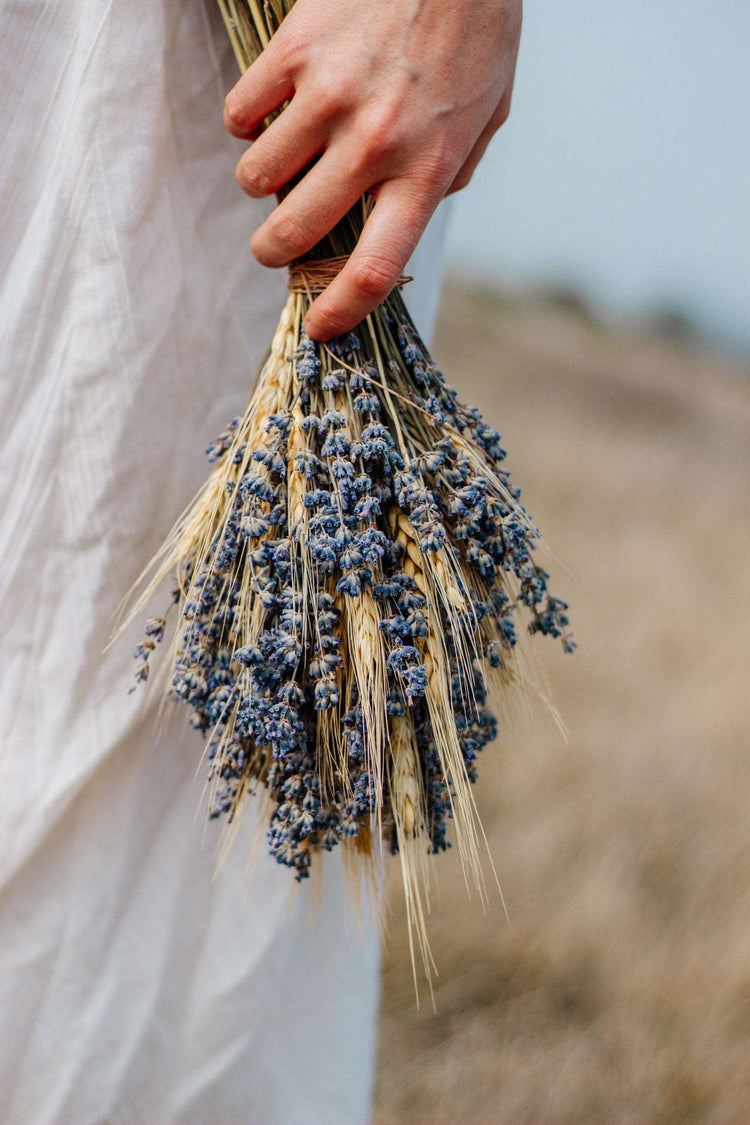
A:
252, 178
329, 98
436, 169
287, 231
380, 134
233, 115
374, 276
291, 50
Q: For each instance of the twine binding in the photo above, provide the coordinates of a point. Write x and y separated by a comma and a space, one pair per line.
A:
313, 275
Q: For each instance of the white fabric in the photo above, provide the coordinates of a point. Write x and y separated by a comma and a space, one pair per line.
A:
134, 987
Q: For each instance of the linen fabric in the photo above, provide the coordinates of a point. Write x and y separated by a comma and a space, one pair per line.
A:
137, 985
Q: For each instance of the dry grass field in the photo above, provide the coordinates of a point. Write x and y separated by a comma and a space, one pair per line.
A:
621, 991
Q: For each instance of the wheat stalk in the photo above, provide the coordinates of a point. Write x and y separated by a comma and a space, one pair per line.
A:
407, 803
346, 584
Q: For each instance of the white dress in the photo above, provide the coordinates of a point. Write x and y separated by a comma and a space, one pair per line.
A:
134, 986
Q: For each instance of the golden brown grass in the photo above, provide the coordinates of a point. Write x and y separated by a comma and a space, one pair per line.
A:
622, 991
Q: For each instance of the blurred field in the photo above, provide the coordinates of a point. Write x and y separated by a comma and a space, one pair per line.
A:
622, 991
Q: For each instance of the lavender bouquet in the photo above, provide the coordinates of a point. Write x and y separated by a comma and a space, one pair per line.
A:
349, 584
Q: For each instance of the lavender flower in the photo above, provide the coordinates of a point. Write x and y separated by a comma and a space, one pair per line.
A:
355, 571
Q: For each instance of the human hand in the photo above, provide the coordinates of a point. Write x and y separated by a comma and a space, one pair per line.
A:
398, 98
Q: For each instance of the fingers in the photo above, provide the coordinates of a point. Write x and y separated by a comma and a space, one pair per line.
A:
311, 209
285, 147
388, 240
467, 169
361, 134
263, 88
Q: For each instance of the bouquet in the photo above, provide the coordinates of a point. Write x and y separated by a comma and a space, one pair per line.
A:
353, 579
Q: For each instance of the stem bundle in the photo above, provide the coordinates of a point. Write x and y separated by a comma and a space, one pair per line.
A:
347, 585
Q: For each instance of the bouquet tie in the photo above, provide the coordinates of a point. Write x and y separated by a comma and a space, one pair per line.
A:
313, 275
349, 585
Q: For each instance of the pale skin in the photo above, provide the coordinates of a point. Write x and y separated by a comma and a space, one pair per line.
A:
399, 98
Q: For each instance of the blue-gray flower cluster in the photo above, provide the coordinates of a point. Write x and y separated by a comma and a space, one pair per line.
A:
399, 485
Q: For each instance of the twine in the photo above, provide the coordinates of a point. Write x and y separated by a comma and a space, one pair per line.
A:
313, 275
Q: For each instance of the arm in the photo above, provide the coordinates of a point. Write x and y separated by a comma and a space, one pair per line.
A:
399, 98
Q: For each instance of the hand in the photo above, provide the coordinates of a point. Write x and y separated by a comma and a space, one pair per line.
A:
395, 97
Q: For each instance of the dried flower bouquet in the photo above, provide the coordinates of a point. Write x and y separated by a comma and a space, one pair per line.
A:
349, 583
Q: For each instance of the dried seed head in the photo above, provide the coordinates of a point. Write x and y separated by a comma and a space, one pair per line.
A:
406, 782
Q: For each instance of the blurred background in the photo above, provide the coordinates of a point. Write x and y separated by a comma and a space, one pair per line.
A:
624, 169
598, 310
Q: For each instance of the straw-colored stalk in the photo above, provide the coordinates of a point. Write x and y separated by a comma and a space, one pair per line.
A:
367, 664
407, 804
301, 382
438, 699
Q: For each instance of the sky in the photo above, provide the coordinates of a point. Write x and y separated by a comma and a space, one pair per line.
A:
624, 169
